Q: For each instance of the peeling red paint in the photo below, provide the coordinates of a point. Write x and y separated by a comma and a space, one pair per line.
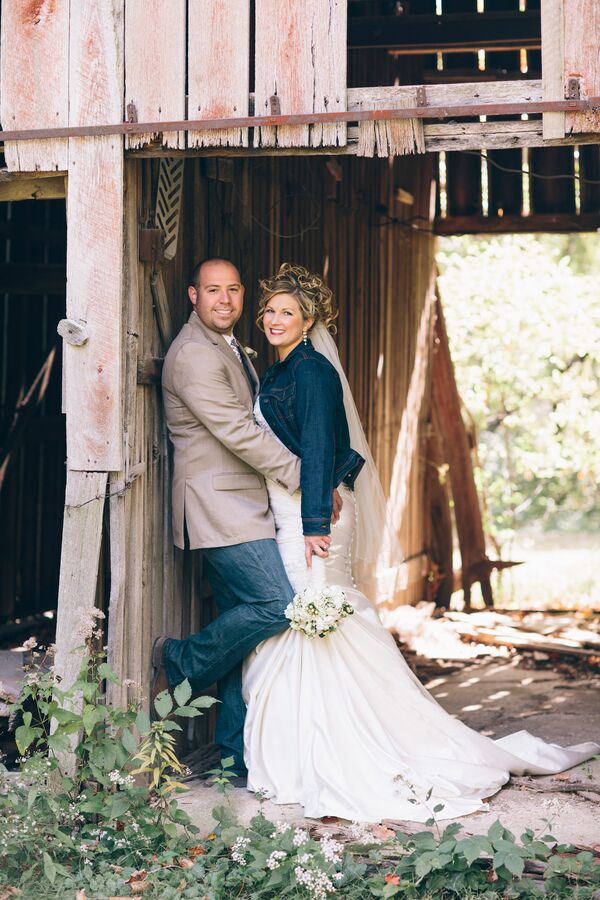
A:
35, 12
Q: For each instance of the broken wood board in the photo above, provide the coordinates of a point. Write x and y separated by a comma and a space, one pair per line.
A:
300, 67
218, 68
34, 70
582, 60
155, 56
80, 556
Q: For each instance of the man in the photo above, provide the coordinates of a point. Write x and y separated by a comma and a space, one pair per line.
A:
220, 502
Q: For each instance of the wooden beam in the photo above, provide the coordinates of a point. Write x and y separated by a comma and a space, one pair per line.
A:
21, 186
449, 33
446, 136
553, 64
445, 102
560, 222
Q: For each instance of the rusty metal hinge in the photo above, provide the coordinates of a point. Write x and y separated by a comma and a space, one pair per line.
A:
151, 245
573, 89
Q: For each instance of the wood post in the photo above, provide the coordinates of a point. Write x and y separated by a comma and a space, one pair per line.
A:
553, 64
437, 509
80, 557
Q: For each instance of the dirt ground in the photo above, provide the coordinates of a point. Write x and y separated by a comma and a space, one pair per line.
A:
496, 697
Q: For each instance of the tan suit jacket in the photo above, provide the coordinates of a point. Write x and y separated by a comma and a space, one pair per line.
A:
221, 455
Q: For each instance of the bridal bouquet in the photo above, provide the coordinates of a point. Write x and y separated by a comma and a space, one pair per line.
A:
318, 611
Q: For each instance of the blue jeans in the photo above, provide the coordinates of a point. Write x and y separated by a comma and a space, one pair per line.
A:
252, 590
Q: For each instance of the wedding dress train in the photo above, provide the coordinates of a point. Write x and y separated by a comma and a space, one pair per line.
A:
341, 725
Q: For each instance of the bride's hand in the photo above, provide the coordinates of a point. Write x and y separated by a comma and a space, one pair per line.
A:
337, 507
316, 545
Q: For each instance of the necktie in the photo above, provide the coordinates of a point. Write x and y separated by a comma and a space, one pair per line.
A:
236, 349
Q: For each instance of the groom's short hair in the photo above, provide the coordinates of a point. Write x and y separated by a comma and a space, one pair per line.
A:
195, 273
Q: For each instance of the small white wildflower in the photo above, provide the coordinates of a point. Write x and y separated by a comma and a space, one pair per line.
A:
129, 682
116, 778
362, 834
282, 827
300, 837
274, 860
304, 858
238, 849
331, 850
30, 643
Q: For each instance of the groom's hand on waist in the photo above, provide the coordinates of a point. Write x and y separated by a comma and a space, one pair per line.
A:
337, 507
316, 545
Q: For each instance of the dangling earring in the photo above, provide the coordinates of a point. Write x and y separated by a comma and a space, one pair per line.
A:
305, 337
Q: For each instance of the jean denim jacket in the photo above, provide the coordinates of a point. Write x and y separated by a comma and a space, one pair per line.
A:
301, 399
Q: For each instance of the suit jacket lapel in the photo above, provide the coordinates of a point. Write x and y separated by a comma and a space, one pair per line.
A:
223, 347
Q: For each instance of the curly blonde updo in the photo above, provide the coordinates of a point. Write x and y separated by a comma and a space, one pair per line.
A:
314, 298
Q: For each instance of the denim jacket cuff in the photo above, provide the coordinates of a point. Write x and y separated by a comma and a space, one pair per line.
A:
315, 527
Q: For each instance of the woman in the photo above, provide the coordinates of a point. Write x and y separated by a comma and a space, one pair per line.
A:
340, 724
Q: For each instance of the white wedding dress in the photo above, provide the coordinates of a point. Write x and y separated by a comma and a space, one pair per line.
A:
341, 725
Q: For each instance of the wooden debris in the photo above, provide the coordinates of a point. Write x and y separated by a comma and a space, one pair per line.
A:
392, 137
536, 632
555, 786
449, 422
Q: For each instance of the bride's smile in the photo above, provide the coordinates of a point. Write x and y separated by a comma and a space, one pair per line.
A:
284, 323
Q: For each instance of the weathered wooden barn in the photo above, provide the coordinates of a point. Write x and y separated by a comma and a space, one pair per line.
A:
343, 135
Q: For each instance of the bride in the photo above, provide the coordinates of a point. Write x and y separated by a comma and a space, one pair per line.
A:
341, 725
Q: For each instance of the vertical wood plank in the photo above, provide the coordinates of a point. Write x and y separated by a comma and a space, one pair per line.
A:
553, 63
218, 68
121, 487
301, 60
34, 69
155, 66
95, 239
82, 534
582, 59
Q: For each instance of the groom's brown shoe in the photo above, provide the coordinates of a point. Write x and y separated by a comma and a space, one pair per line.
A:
159, 681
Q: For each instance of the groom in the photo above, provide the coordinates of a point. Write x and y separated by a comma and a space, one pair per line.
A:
220, 502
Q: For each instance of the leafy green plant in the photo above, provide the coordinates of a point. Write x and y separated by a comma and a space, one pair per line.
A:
103, 807
111, 826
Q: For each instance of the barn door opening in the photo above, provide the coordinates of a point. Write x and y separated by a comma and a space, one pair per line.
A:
32, 427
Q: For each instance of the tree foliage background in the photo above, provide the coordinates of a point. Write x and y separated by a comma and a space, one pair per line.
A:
523, 316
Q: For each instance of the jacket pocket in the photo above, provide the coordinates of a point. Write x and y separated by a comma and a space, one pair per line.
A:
237, 481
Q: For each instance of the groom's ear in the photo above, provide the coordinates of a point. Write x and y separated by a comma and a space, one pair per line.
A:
192, 294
